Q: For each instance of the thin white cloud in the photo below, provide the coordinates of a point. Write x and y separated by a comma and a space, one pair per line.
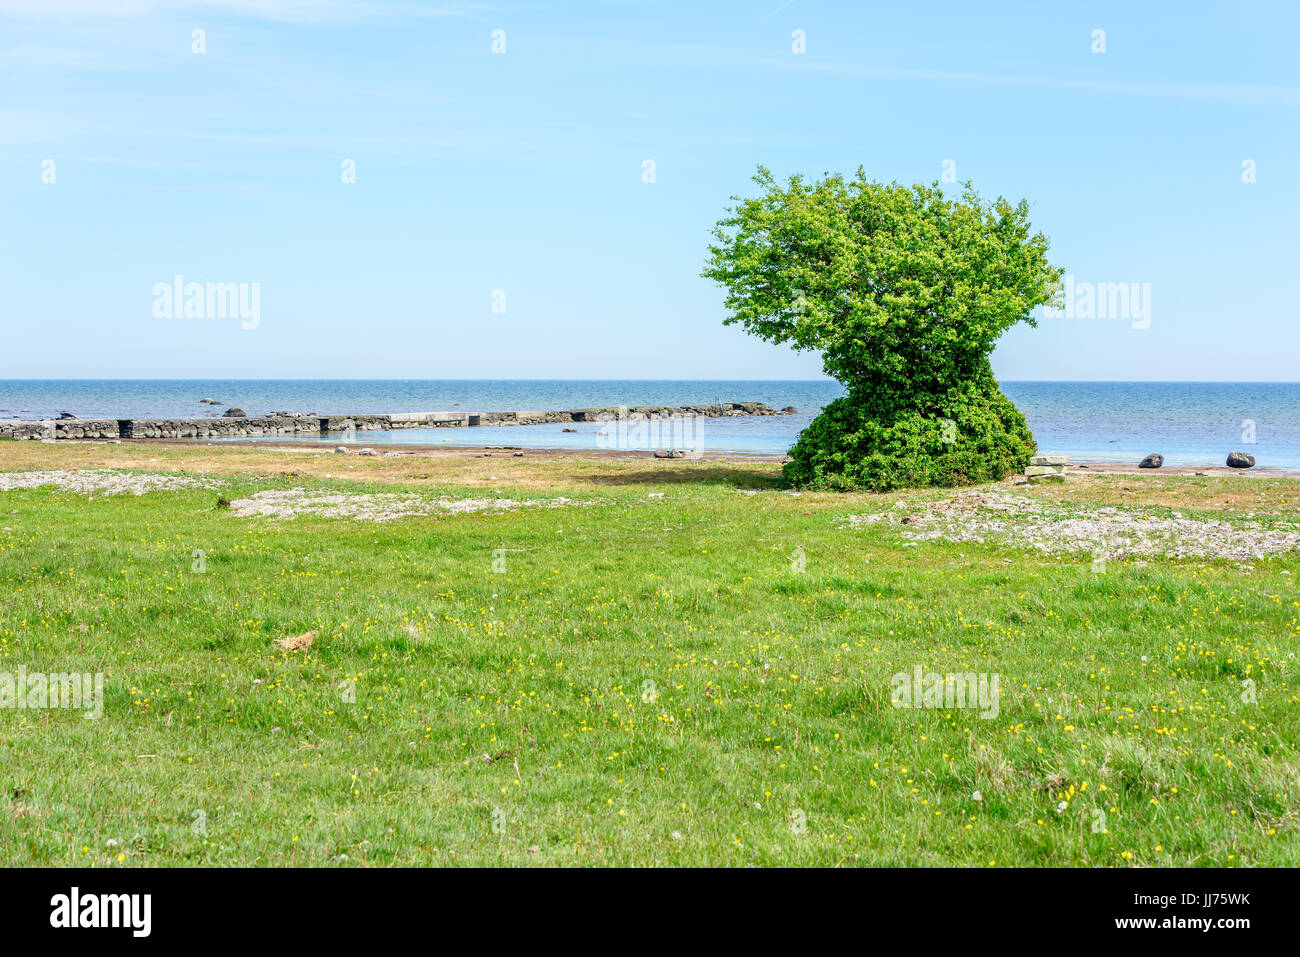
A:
715, 57
1211, 91
776, 11
26, 127
293, 11
37, 56
109, 8
335, 10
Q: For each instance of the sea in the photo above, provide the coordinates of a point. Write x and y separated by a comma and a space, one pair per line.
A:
1189, 423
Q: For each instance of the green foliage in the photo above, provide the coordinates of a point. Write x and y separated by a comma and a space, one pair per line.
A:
904, 292
968, 435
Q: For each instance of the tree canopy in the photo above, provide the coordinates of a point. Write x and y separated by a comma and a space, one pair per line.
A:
905, 292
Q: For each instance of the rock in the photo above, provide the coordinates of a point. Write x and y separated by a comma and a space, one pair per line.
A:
669, 453
1152, 461
1037, 470
1050, 460
1240, 460
341, 450
69, 415
234, 412
207, 401
519, 455
568, 430
366, 451
789, 410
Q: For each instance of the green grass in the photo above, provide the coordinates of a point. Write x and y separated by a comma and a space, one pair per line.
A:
648, 683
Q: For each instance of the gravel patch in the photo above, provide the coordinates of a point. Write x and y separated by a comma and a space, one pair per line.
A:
102, 481
1053, 527
376, 507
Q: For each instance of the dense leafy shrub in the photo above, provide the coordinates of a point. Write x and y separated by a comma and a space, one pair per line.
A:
905, 293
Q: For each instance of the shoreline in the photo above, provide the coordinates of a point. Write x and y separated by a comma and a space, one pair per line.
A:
479, 451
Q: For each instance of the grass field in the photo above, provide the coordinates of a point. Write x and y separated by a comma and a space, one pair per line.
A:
663, 670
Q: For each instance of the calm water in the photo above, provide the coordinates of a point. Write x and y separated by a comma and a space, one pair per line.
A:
1189, 423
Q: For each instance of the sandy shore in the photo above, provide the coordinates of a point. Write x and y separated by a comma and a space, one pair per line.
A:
1128, 468
385, 450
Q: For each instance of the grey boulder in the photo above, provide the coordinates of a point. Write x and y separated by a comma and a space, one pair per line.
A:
1152, 461
1240, 460
234, 412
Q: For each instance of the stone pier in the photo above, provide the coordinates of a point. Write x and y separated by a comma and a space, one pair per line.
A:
237, 426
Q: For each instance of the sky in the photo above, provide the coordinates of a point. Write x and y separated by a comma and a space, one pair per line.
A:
504, 222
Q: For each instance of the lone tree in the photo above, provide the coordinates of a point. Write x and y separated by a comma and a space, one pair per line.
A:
905, 292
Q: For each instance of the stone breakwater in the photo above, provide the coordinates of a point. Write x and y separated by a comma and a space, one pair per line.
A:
236, 426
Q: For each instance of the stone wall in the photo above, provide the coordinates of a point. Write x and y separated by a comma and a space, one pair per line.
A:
215, 428
234, 427
61, 429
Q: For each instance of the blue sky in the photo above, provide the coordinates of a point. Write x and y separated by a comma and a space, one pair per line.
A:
523, 171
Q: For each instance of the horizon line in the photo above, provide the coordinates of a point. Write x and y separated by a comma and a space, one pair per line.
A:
329, 379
